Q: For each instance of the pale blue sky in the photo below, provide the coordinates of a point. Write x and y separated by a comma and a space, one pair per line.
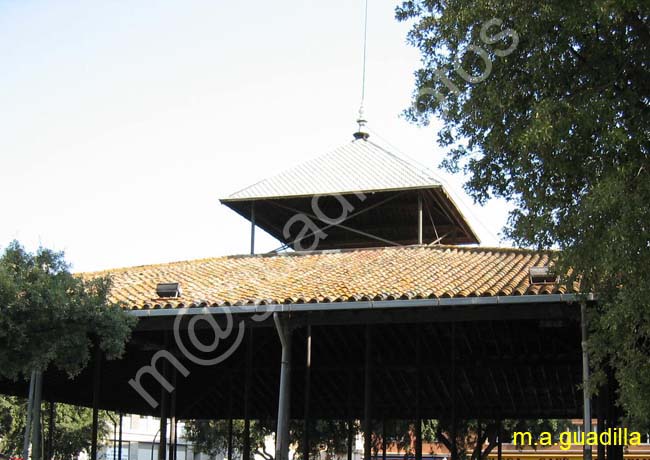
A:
123, 122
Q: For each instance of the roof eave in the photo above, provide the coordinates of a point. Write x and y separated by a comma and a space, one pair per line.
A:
367, 305
350, 192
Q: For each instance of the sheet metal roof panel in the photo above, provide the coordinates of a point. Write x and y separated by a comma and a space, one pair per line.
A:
359, 166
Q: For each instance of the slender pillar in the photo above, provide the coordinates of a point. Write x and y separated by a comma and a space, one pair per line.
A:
454, 392
162, 440
383, 438
246, 451
119, 449
500, 441
114, 437
419, 218
479, 445
585, 382
367, 401
350, 440
306, 419
230, 423
164, 414
252, 229
37, 447
418, 391
164, 409
52, 427
28, 422
230, 443
173, 423
97, 381
350, 437
600, 423
282, 432
611, 416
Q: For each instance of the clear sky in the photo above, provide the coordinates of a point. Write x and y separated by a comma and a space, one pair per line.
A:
122, 123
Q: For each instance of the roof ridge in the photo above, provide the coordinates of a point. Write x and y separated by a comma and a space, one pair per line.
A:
438, 247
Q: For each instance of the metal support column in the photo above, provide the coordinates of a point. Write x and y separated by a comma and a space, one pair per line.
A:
500, 440
383, 438
454, 393
164, 409
600, 423
230, 423
252, 227
418, 391
37, 447
50, 436
114, 436
164, 413
97, 381
230, 443
367, 400
119, 449
350, 439
282, 432
246, 450
585, 381
173, 426
28, 422
419, 218
306, 419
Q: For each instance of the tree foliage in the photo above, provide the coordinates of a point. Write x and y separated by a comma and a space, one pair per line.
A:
474, 439
330, 436
50, 317
71, 434
554, 115
211, 436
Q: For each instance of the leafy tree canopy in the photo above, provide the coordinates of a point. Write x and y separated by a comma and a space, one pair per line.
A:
547, 104
330, 436
71, 434
50, 317
211, 436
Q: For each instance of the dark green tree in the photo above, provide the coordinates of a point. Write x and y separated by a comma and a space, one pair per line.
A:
211, 436
50, 318
476, 439
547, 104
71, 432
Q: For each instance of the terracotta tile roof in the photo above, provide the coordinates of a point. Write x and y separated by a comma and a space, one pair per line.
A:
411, 272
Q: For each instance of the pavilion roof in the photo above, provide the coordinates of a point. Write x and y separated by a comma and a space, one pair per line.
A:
390, 273
358, 166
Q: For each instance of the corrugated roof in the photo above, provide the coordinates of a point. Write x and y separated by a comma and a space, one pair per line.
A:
331, 276
358, 166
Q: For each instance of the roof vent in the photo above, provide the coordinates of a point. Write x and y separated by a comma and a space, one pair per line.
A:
168, 290
542, 275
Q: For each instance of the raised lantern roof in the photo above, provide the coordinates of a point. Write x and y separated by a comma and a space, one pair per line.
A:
385, 200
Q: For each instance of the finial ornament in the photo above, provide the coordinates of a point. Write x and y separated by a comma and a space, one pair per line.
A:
361, 121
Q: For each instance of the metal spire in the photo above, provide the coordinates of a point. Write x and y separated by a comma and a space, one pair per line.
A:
361, 121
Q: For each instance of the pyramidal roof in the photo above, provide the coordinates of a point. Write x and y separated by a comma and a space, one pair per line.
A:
359, 166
